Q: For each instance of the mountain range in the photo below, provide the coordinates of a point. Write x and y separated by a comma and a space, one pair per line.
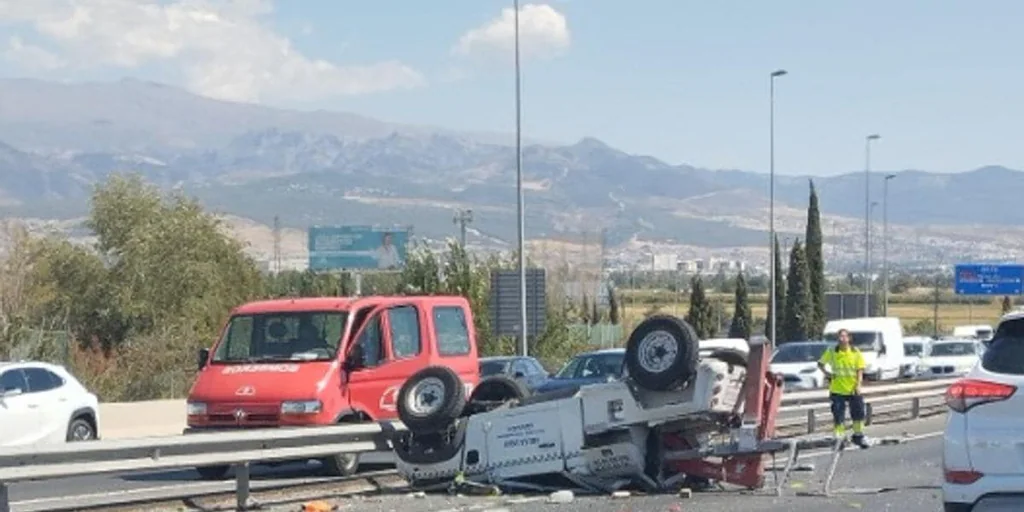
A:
57, 139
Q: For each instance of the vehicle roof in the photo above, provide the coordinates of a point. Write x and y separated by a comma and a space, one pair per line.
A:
854, 323
602, 351
330, 303
43, 364
498, 359
954, 340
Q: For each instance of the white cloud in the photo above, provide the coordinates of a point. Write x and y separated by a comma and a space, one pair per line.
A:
543, 32
31, 57
223, 48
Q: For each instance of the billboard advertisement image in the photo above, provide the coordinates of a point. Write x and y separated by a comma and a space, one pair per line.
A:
357, 247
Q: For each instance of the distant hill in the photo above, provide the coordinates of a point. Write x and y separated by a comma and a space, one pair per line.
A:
326, 167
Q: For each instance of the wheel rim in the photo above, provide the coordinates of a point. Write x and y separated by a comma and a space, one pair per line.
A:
426, 397
657, 351
81, 432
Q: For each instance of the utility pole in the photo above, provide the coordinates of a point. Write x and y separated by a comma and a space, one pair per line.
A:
462, 218
885, 245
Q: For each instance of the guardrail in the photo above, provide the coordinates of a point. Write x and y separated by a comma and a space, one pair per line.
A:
241, 448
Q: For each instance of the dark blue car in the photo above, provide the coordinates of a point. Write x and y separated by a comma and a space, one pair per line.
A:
524, 369
588, 368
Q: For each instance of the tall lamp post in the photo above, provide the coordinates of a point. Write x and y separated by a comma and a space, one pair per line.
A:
867, 221
524, 349
771, 200
885, 244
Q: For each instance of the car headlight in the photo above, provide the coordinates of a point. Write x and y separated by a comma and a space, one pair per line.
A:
196, 408
808, 370
301, 407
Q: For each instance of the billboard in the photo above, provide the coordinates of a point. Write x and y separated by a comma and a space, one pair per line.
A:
357, 247
505, 302
974, 279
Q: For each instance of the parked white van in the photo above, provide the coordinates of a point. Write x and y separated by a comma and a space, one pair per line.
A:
880, 339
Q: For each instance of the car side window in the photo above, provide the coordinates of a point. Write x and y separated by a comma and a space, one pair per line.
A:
371, 344
404, 324
520, 367
536, 367
451, 331
41, 380
13, 379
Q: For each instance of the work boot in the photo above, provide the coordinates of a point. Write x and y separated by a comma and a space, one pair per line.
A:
860, 440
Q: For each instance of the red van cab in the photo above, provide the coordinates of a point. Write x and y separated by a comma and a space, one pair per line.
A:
325, 360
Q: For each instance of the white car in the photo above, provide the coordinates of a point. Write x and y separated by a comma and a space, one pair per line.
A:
797, 362
914, 348
982, 459
950, 358
42, 403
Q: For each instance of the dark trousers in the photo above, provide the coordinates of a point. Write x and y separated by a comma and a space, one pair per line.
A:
839, 407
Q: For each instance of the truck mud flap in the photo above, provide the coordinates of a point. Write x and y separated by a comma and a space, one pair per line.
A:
430, 448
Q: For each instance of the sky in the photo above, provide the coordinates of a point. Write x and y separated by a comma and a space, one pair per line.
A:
680, 80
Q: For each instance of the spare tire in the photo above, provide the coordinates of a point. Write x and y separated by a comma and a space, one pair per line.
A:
431, 400
662, 353
494, 391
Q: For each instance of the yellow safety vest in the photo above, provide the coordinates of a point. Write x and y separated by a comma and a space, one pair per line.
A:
845, 364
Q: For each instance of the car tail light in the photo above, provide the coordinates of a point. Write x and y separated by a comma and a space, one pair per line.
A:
962, 477
964, 394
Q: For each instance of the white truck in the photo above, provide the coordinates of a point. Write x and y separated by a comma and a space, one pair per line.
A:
656, 427
880, 339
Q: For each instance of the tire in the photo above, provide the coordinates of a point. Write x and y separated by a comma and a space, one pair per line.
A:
213, 472
431, 400
80, 429
662, 353
342, 464
493, 392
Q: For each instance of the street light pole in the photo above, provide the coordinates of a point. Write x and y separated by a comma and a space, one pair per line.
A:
771, 202
867, 222
524, 349
885, 245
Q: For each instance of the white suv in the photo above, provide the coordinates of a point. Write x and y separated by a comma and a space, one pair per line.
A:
42, 403
983, 452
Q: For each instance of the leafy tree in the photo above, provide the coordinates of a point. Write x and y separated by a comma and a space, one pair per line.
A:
815, 265
798, 312
742, 319
780, 295
701, 315
1007, 306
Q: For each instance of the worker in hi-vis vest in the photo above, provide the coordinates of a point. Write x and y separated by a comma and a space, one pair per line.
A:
847, 373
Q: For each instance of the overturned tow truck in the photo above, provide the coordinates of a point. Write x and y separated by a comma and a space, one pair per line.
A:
675, 418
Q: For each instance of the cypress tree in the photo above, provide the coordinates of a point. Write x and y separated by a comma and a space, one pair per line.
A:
742, 319
798, 312
815, 266
1007, 305
595, 314
613, 306
700, 316
780, 295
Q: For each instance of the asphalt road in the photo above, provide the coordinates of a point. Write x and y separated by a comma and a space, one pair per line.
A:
909, 474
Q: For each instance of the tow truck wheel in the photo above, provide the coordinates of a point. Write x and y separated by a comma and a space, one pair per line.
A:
493, 392
662, 353
212, 472
431, 400
342, 464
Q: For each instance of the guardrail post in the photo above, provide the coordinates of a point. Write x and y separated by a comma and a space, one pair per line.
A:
242, 486
868, 414
915, 408
5, 504
811, 422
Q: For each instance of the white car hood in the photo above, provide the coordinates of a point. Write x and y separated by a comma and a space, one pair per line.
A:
966, 361
792, 368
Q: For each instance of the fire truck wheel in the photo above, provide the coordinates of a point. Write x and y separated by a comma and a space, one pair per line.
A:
662, 353
213, 472
431, 400
341, 464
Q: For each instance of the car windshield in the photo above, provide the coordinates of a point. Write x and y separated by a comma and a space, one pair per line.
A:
488, 368
284, 336
592, 365
913, 349
952, 349
864, 341
799, 353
